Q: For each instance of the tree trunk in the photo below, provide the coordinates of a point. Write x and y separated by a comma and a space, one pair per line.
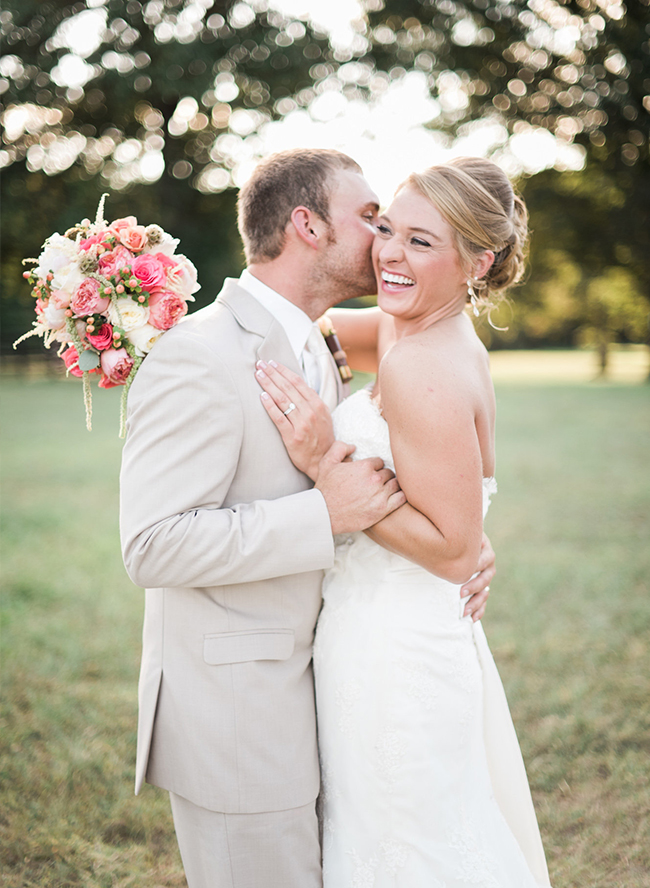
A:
602, 350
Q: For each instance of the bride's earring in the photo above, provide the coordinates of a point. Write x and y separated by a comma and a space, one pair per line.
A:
472, 297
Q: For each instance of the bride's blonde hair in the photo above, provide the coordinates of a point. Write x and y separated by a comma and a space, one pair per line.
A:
476, 198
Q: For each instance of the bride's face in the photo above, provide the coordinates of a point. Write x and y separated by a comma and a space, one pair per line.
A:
415, 259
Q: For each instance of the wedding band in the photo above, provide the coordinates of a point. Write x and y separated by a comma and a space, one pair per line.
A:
291, 407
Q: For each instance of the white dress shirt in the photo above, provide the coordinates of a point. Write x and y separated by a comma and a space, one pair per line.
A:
296, 324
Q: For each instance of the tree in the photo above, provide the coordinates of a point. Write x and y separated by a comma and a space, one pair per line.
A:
175, 92
581, 70
159, 86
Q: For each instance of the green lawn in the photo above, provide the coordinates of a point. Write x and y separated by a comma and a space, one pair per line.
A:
568, 621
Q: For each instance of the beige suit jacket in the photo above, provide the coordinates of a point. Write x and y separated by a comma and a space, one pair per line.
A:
230, 540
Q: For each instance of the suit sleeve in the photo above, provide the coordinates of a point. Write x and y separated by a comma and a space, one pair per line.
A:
184, 432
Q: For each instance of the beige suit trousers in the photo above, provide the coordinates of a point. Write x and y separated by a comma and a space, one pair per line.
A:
276, 849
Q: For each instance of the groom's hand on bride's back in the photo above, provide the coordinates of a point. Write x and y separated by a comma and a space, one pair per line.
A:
358, 494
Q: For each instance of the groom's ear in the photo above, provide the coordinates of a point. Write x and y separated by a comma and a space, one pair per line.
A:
308, 226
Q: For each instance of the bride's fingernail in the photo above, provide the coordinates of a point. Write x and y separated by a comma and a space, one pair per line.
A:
260, 374
273, 364
264, 396
260, 364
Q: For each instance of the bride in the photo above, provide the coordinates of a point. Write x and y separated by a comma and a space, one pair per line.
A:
422, 778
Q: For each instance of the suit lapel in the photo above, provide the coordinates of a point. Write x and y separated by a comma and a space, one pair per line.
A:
274, 344
252, 316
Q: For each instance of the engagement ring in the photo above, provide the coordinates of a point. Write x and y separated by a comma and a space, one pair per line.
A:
291, 407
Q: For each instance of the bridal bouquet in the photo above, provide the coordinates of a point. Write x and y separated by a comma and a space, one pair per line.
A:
106, 294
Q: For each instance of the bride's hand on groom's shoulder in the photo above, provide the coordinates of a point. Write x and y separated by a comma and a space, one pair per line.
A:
301, 417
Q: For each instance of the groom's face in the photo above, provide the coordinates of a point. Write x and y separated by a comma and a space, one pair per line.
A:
347, 260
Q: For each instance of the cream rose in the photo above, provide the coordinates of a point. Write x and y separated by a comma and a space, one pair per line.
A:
143, 338
131, 314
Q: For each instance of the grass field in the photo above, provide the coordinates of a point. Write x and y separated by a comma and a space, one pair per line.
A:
568, 620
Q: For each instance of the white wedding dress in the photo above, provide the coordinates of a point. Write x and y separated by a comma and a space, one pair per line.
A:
423, 784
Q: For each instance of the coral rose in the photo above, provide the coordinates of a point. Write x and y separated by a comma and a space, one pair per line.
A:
166, 308
102, 339
116, 365
87, 299
133, 238
149, 271
119, 224
70, 358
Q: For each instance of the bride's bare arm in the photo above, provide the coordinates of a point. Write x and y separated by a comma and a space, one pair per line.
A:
438, 464
307, 434
358, 332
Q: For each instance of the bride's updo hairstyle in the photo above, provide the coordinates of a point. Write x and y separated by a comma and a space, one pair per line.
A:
476, 198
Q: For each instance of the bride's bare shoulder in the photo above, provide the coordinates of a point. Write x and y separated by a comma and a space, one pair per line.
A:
436, 362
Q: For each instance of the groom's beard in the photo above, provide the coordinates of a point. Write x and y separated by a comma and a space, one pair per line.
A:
342, 273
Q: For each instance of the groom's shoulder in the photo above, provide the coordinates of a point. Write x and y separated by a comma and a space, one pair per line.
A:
211, 328
214, 320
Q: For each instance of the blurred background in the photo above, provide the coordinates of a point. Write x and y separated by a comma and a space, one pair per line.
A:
167, 105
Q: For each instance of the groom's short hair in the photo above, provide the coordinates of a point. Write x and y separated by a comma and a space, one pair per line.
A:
279, 184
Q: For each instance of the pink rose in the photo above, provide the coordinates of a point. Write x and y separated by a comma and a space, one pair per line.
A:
71, 356
119, 224
102, 339
183, 277
94, 239
150, 272
60, 298
166, 260
116, 366
133, 238
87, 298
116, 260
166, 309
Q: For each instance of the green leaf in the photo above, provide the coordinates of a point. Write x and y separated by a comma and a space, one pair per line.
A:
88, 360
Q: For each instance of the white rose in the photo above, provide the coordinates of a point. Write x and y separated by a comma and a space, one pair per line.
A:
67, 278
143, 338
58, 253
54, 317
131, 314
167, 245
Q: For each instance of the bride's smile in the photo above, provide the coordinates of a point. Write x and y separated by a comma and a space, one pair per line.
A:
419, 275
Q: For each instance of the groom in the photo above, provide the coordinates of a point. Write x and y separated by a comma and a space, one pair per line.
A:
230, 539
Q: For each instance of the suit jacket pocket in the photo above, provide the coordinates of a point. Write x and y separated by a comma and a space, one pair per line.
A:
250, 644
